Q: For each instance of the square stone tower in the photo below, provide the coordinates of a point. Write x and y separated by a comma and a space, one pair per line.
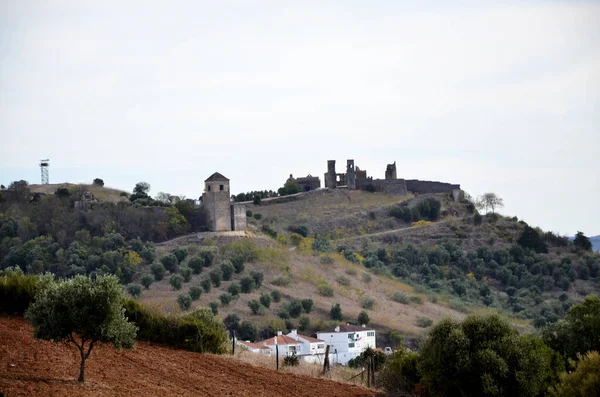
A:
217, 203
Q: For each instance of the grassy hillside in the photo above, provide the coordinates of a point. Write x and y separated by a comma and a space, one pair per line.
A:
100, 192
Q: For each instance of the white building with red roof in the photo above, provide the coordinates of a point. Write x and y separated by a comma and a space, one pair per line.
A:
347, 341
254, 347
312, 350
287, 346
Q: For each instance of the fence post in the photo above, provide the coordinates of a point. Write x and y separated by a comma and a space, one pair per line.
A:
233, 343
326, 361
277, 357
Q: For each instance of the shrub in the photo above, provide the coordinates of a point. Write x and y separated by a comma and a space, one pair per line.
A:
227, 269
402, 212
336, 312
186, 273
291, 360
363, 317
184, 301
247, 284
134, 290
247, 331
400, 298
208, 257
176, 280
231, 322
424, 322
196, 264
265, 300
254, 306
325, 289
170, 262
269, 231
584, 380
276, 295
214, 307
477, 219
416, 299
307, 305
343, 280
256, 200
367, 303
281, 281
198, 331
234, 289
258, 217
17, 291
295, 308
98, 182
195, 292
180, 253
147, 280
366, 278
258, 278
326, 260
283, 313
321, 244
206, 284
158, 270
225, 299
216, 276
249, 214
148, 255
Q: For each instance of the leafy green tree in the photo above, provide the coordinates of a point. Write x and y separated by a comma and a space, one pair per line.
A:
208, 257
180, 253
258, 278
83, 312
485, 356
231, 322
206, 284
98, 182
530, 238
227, 269
170, 262
247, 331
583, 381
290, 187
265, 300
336, 312
225, 299
400, 373
363, 317
276, 295
196, 264
321, 244
195, 292
295, 308
582, 242
254, 306
214, 307
176, 280
578, 332
147, 280
234, 289
307, 305
186, 273
489, 201
247, 284
304, 323
134, 290
158, 270
216, 276
184, 301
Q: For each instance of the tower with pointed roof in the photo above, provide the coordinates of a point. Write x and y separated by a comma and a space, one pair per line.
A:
217, 203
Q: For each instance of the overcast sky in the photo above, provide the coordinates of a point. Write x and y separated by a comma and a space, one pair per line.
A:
496, 97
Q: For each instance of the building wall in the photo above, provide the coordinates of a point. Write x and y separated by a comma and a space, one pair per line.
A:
422, 187
339, 341
217, 204
238, 217
396, 187
330, 180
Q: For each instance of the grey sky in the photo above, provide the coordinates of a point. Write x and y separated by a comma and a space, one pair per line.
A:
502, 98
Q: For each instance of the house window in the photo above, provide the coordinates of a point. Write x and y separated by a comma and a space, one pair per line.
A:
291, 349
350, 345
321, 346
209, 188
221, 187
372, 333
351, 336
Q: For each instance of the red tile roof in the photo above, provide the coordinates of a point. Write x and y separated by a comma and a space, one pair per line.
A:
257, 345
348, 328
281, 340
310, 338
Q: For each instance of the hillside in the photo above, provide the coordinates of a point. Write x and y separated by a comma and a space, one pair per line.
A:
595, 240
48, 369
100, 192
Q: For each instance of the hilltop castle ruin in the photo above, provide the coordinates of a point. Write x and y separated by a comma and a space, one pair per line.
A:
221, 214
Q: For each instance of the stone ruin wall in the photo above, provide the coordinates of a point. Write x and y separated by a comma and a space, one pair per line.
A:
422, 187
238, 217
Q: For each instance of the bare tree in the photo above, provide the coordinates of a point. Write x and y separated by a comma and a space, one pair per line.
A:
489, 201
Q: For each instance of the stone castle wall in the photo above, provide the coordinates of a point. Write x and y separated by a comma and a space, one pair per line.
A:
238, 217
422, 187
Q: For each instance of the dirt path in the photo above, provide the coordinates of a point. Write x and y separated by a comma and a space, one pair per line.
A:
32, 368
400, 230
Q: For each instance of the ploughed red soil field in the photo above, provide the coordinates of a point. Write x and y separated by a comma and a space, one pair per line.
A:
33, 368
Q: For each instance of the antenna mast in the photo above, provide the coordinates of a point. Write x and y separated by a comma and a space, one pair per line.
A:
44, 165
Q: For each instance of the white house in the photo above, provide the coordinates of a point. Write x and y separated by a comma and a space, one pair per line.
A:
287, 345
347, 341
254, 347
312, 349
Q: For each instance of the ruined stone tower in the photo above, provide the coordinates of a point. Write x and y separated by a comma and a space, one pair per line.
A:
217, 203
350, 175
390, 172
330, 177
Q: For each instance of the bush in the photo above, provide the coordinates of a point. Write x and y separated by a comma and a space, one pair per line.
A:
283, 313
477, 219
321, 244
416, 299
196, 264
170, 262
216, 276
367, 303
208, 257
291, 360
265, 300
198, 331
254, 306
134, 290
366, 278
176, 280
227, 269
214, 307
147, 280
583, 381
98, 182
301, 230
231, 322
276, 295
326, 260
400, 298
325, 290
304, 323
234, 289
258, 278
247, 284
269, 231
195, 292
363, 317
158, 270
258, 217
295, 308
336, 312
17, 291
148, 255
281, 281
225, 299
249, 214
307, 305
343, 280
424, 322
186, 273
184, 301
402, 212
180, 253
247, 331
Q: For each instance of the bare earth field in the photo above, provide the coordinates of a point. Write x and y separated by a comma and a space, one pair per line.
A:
32, 368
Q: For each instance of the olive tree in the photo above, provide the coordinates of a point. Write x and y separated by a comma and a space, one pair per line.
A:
83, 312
489, 201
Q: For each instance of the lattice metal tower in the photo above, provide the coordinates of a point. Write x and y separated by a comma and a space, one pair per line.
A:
44, 165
